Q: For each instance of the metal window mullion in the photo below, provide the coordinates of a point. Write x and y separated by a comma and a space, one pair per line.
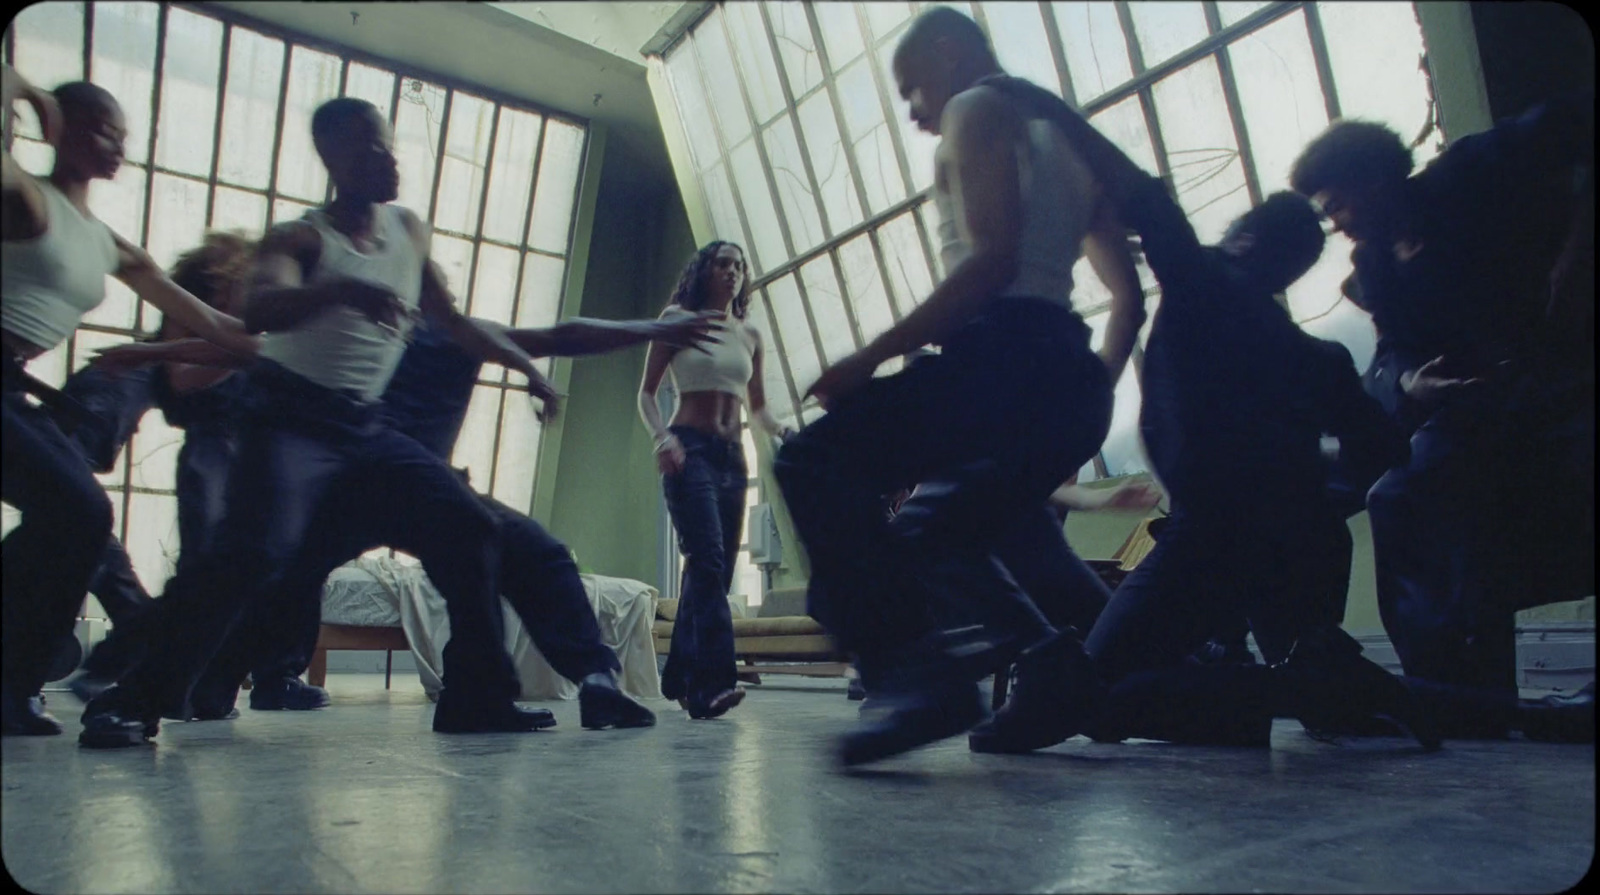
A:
902, 158
7, 136
277, 134
755, 137
843, 237
846, 298
1141, 79
344, 81
483, 206
1319, 55
88, 41
782, 355
1230, 95
216, 129
1058, 52
438, 159
724, 154
1147, 104
527, 226
830, 83
150, 148
394, 101
792, 106
811, 322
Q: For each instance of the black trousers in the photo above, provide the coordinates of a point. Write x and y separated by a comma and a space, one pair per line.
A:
537, 577
306, 453
1015, 403
1463, 539
707, 501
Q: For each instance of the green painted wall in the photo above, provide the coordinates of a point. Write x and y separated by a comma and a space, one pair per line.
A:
605, 501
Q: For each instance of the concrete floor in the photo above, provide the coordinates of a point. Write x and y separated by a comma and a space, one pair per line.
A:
362, 797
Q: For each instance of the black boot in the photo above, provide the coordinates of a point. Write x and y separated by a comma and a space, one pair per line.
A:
1056, 693
455, 714
919, 696
25, 716
602, 704
117, 719
1327, 684
1559, 719
714, 706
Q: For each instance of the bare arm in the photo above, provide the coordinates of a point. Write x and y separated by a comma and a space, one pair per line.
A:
22, 210
195, 355
1106, 247
191, 376
139, 271
580, 335
760, 413
669, 453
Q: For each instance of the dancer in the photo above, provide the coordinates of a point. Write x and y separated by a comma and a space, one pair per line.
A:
1017, 205
427, 401
1487, 354
334, 293
1234, 390
703, 471
56, 256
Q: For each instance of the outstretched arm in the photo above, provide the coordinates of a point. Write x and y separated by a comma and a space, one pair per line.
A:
139, 271
581, 335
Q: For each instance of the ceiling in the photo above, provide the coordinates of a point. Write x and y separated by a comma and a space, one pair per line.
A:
578, 58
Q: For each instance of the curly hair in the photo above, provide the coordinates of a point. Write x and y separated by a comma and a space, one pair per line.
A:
1350, 154
690, 293
215, 271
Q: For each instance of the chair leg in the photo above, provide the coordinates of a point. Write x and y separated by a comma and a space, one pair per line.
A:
317, 673
388, 667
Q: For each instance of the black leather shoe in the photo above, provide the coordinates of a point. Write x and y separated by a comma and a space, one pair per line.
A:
602, 704
87, 686
116, 720
25, 716
716, 706
856, 692
913, 719
1330, 686
1558, 718
458, 716
289, 693
1056, 693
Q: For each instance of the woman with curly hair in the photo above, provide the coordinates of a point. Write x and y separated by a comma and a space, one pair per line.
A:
703, 471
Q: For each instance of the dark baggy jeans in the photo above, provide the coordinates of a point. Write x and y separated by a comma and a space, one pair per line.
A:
1014, 405
306, 452
706, 500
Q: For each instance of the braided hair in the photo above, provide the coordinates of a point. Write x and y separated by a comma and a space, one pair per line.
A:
690, 293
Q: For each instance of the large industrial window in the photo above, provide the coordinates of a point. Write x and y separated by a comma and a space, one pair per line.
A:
804, 153
219, 118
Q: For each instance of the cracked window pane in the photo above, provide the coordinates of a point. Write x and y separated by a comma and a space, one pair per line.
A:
759, 212
841, 33
828, 160
466, 159
511, 175
518, 455
1280, 95
790, 317
152, 538
864, 285
693, 110
550, 227
774, 384
827, 309
1166, 29
722, 80
724, 213
375, 85
1375, 51
909, 277
794, 190
417, 123
239, 210
1234, 11
795, 46
1092, 41
757, 68
1201, 151
918, 146
1018, 35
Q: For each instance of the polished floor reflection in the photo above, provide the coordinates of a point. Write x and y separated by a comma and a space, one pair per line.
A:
362, 797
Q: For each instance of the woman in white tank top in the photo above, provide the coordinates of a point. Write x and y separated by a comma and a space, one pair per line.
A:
54, 258
703, 471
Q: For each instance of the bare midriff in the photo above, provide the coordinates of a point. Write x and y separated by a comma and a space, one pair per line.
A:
714, 413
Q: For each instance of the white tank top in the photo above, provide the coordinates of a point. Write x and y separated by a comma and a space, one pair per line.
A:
726, 368
341, 348
49, 282
1057, 208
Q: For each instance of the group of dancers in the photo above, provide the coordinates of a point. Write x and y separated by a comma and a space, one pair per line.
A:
323, 376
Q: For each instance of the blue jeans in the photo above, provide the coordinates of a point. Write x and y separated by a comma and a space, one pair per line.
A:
706, 500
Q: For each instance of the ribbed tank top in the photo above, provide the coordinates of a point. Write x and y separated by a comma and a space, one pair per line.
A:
341, 348
49, 282
723, 367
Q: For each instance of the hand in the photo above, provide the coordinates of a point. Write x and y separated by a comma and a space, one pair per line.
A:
540, 387
1429, 384
785, 433
688, 329
120, 359
670, 455
1133, 496
379, 304
842, 378
15, 87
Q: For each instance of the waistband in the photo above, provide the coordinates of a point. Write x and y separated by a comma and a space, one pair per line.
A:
280, 396
15, 378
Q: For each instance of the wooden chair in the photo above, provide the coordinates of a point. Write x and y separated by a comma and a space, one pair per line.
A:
355, 637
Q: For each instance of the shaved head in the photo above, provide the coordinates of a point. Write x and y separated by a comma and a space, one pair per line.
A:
943, 53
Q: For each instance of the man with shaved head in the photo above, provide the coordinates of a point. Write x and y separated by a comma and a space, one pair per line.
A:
1032, 404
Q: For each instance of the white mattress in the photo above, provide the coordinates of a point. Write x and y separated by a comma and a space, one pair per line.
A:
352, 596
